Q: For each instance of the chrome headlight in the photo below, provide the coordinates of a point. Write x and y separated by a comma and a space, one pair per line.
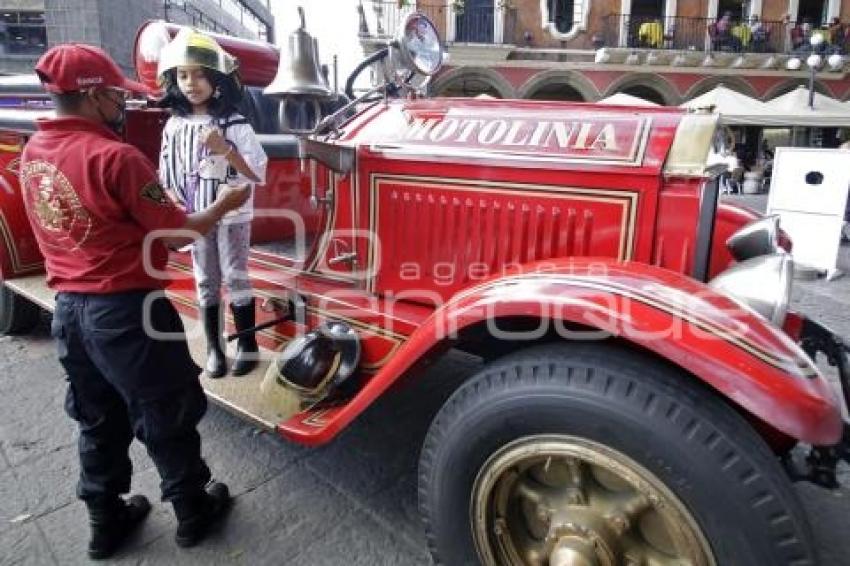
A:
762, 283
760, 237
420, 46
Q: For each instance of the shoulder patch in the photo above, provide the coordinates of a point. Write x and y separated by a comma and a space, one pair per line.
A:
154, 192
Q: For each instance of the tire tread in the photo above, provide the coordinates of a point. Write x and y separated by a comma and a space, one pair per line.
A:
667, 396
18, 315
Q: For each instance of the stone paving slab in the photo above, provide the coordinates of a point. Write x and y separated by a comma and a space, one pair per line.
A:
25, 545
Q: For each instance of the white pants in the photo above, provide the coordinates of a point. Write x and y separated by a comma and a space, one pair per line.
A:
222, 255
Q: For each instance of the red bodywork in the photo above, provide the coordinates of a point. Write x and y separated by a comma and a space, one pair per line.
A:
460, 212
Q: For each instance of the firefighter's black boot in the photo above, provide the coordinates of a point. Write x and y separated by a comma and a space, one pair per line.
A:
196, 514
216, 361
112, 521
246, 348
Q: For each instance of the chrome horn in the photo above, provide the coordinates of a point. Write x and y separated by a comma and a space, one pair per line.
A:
299, 82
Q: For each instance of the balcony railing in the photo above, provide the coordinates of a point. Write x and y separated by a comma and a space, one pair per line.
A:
694, 34
471, 25
384, 17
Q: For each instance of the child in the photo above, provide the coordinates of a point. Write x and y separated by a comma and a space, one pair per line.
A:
206, 143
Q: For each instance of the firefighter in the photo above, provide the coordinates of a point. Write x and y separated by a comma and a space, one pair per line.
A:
93, 201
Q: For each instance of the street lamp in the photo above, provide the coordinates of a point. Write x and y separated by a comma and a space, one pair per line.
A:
815, 63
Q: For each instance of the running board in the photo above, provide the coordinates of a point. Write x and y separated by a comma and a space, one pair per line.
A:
34, 288
240, 395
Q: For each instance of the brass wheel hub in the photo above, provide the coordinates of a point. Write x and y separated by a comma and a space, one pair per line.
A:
567, 501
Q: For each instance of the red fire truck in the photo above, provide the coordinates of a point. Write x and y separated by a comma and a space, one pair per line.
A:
645, 384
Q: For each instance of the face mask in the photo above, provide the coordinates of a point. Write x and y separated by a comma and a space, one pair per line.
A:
115, 124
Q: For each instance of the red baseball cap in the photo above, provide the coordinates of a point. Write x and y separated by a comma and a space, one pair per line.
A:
73, 67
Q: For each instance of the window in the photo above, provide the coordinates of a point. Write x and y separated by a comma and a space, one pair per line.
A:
565, 18
196, 16
233, 8
22, 33
190, 14
256, 26
563, 14
735, 8
648, 9
816, 11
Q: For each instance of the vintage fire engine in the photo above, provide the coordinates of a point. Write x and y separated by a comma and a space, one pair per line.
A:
644, 382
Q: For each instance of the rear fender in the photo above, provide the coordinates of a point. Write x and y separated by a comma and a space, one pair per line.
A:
19, 253
733, 350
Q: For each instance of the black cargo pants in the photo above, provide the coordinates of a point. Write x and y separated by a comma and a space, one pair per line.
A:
123, 381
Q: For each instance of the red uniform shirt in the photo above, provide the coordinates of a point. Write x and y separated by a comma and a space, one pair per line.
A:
91, 200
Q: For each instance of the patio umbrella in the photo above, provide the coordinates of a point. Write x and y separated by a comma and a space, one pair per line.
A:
623, 99
735, 109
792, 109
799, 98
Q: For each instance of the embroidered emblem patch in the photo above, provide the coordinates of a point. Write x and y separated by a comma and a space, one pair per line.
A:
14, 166
54, 204
154, 192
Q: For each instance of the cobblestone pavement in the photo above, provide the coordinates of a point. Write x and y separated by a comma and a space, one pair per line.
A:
352, 502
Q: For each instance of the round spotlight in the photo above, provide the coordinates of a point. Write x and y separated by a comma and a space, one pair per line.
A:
762, 283
420, 45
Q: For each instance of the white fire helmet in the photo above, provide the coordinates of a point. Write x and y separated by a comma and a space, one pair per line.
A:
193, 48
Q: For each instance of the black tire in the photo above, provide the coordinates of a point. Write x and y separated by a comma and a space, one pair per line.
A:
699, 448
18, 315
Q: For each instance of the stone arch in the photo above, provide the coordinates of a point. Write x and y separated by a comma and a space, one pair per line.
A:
482, 79
554, 78
789, 85
647, 83
732, 83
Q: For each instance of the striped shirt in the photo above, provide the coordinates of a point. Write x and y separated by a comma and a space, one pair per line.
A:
194, 175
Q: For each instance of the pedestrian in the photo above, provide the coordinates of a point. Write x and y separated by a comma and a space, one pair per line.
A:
836, 34
759, 33
93, 202
845, 226
797, 36
205, 145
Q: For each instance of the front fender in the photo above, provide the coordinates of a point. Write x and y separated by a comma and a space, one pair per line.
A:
732, 349
19, 253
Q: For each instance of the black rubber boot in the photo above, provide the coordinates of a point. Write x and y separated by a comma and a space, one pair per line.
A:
246, 349
216, 361
112, 521
195, 515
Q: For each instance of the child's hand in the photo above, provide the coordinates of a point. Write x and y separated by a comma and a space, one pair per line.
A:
213, 140
232, 196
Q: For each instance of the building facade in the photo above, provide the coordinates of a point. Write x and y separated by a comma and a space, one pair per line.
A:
29, 27
666, 51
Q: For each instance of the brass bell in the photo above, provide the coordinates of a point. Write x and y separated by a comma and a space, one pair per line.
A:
298, 73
